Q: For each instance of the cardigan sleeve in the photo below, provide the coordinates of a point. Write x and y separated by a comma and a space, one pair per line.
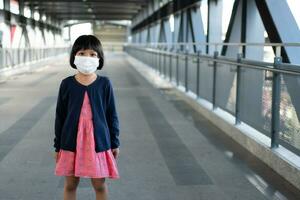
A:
60, 116
112, 117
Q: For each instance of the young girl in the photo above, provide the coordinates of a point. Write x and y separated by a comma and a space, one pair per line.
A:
86, 123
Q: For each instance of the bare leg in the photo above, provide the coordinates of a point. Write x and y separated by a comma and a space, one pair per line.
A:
71, 183
100, 188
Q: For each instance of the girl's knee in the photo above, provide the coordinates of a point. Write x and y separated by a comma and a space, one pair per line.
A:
99, 185
70, 187
100, 188
71, 183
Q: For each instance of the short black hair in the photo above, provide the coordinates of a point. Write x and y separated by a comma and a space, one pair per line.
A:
87, 42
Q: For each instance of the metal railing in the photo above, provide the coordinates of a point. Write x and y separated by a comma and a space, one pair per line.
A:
208, 77
10, 57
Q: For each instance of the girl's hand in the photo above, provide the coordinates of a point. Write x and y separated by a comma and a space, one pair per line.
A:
116, 152
55, 155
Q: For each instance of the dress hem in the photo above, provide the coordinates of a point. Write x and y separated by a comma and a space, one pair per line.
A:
82, 176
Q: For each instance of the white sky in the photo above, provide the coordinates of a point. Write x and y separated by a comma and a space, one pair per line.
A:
295, 8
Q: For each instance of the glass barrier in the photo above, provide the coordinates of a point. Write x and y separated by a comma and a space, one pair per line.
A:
243, 89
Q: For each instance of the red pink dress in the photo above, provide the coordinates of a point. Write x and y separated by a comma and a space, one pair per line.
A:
86, 162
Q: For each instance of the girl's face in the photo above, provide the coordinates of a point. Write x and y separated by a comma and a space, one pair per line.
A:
86, 61
87, 52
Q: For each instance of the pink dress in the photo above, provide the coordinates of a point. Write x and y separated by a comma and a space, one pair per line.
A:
86, 162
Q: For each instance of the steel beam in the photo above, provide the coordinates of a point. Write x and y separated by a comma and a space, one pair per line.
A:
214, 24
197, 28
163, 12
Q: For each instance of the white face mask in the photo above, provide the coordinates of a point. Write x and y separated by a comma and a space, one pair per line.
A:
85, 64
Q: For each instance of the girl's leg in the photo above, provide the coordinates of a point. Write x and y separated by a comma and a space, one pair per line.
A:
71, 183
100, 188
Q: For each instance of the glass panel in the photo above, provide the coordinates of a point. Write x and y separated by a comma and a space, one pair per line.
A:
226, 87
181, 70
206, 79
192, 74
156, 62
167, 66
256, 98
289, 113
174, 58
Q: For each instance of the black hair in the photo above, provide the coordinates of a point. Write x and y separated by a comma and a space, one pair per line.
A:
87, 42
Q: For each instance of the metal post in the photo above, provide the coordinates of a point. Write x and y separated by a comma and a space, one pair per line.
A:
164, 67
2, 57
186, 71
198, 74
170, 67
156, 61
159, 63
214, 79
177, 71
152, 59
275, 120
19, 61
238, 87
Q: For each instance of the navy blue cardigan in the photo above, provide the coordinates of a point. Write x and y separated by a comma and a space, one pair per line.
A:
105, 118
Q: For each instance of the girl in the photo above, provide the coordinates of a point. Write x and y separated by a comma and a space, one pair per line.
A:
86, 122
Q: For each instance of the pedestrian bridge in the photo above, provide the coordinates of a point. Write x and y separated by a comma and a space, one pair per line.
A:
206, 93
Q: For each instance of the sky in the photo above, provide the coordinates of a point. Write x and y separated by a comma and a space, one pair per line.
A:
295, 6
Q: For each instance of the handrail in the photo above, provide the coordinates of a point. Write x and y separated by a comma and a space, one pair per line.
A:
34, 48
293, 44
220, 59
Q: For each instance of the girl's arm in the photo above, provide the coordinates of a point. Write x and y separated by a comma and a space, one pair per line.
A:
59, 117
112, 117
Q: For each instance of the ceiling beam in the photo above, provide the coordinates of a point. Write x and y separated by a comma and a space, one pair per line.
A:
91, 14
87, 1
78, 12
85, 8
107, 17
115, 2
109, 3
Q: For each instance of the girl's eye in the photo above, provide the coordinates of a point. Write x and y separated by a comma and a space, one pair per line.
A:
94, 55
81, 54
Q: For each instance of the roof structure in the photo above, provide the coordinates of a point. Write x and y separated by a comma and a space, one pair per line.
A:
88, 9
